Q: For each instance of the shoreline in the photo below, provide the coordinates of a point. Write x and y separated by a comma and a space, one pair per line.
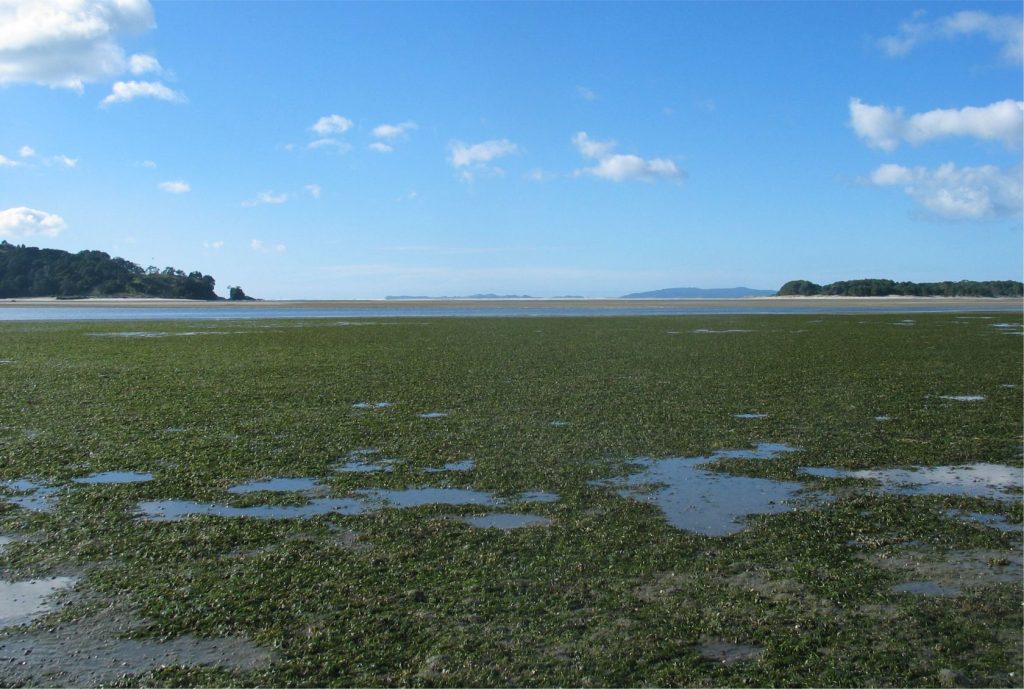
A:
816, 302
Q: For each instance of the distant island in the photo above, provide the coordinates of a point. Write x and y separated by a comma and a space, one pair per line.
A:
887, 288
700, 293
27, 271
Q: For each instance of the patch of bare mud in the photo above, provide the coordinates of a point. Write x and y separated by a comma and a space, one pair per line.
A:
947, 574
725, 653
92, 650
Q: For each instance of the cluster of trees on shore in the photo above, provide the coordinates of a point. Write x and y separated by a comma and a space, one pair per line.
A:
885, 288
27, 271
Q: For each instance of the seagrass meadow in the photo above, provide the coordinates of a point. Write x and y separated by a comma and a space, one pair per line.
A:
469, 508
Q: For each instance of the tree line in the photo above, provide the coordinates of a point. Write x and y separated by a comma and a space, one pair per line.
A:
885, 288
27, 271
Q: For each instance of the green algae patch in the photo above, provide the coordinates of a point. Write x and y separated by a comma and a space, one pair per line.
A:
601, 590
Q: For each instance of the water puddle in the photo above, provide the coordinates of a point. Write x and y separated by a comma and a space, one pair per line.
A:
152, 333
1007, 326
37, 497
175, 510
23, 601
883, 418
371, 405
906, 321
4, 542
760, 451
116, 477
734, 330
726, 653
703, 501
751, 415
433, 415
464, 465
559, 424
364, 501
978, 480
278, 485
963, 398
995, 521
506, 520
6, 361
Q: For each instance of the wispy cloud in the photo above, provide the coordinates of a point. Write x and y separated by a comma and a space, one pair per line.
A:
885, 128
263, 247
26, 151
7, 162
331, 124
23, 222
215, 245
381, 147
473, 160
620, 167
585, 93
176, 187
965, 193
393, 131
264, 198
313, 190
328, 142
125, 91
1006, 31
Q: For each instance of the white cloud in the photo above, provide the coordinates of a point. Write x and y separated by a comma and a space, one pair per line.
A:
472, 161
484, 152
280, 248
256, 245
266, 197
884, 128
7, 162
26, 151
124, 91
331, 124
216, 245
147, 164
966, 193
313, 190
22, 222
66, 43
1004, 30
340, 146
619, 167
393, 131
143, 64
590, 148
381, 147
62, 160
585, 93
175, 187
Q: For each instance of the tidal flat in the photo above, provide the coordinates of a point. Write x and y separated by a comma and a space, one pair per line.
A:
545, 571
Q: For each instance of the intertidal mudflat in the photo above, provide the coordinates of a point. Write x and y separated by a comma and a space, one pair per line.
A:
493, 543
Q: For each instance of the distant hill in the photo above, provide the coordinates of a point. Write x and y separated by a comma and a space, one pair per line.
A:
27, 271
700, 293
886, 288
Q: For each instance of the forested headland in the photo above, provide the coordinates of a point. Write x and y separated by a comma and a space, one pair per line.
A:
886, 288
27, 271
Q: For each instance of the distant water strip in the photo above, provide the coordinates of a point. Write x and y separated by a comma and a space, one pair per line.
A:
516, 309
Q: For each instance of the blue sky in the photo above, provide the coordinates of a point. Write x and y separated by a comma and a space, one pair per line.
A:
335, 150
